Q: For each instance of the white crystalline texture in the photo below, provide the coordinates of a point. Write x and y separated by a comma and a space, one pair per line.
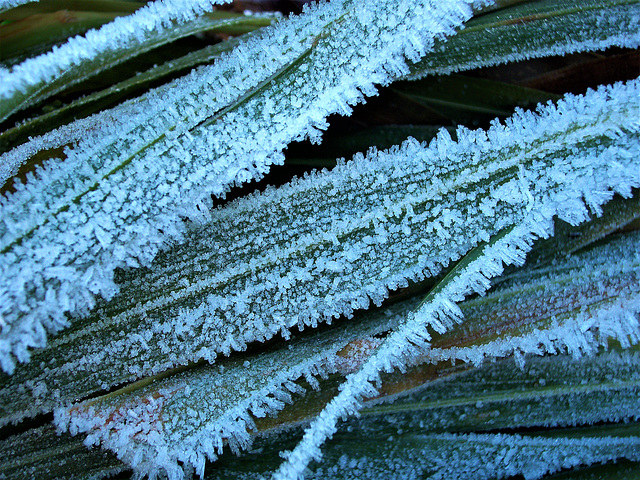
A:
540, 198
597, 26
258, 267
107, 39
593, 298
145, 169
145, 188
187, 417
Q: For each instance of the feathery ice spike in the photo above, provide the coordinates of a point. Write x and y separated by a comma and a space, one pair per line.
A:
123, 191
486, 456
574, 305
405, 439
188, 417
260, 266
439, 310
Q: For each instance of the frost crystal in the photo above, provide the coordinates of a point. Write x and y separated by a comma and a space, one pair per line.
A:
107, 39
123, 190
259, 266
440, 311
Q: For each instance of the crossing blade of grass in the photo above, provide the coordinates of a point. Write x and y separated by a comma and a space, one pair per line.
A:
549, 392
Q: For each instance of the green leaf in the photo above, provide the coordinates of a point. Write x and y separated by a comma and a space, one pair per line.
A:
96, 101
615, 215
45, 454
410, 433
218, 21
245, 275
546, 377
532, 30
229, 396
465, 99
30, 30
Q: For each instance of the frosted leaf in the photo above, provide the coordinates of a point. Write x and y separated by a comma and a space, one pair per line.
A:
547, 392
42, 453
404, 344
575, 305
106, 40
534, 30
190, 416
262, 255
439, 311
200, 129
473, 456
407, 438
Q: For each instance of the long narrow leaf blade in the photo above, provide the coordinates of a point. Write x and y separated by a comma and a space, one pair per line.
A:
124, 190
246, 275
533, 30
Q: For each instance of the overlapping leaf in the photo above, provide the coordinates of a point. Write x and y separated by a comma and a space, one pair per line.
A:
123, 190
189, 415
328, 245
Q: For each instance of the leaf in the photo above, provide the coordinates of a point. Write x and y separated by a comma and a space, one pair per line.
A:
197, 411
465, 99
552, 307
482, 456
95, 101
34, 32
532, 30
450, 398
189, 416
152, 161
80, 57
263, 283
438, 312
583, 299
616, 215
407, 434
44, 454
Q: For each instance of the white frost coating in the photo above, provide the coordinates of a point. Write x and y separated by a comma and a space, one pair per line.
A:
579, 336
597, 27
108, 38
450, 456
180, 422
401, 346
90, 127
440, 312
573, 306
116, 201
369, 226
504, 455
139, 442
